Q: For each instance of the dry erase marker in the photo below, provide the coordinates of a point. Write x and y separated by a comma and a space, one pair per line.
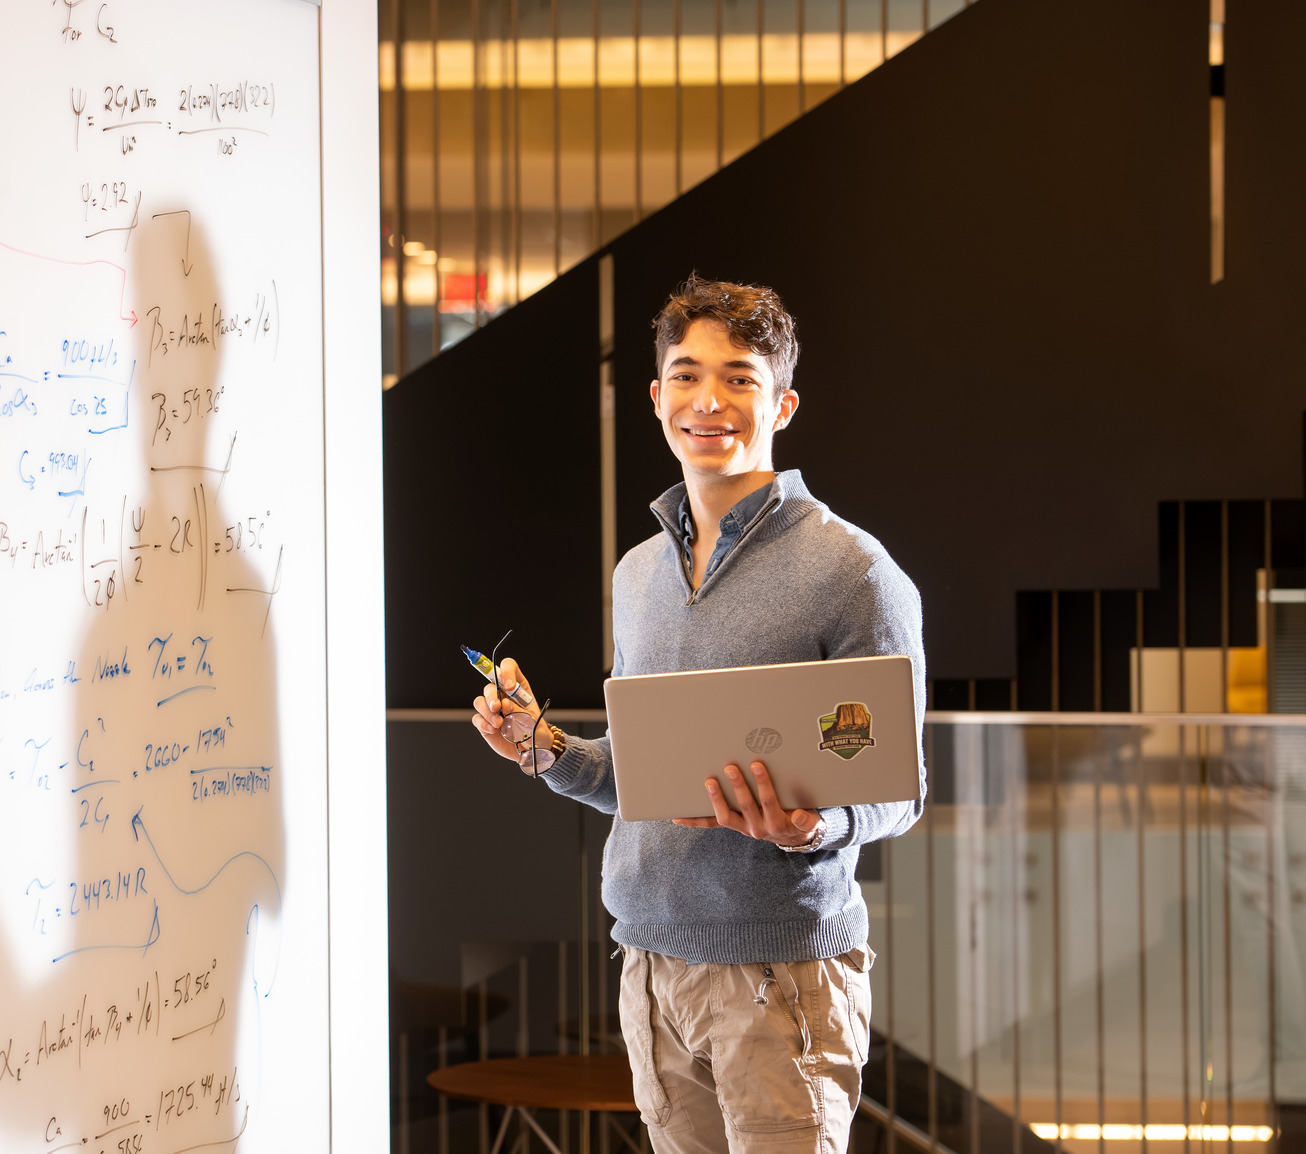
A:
481, 662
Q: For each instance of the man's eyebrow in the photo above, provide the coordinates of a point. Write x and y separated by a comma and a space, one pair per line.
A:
752, 366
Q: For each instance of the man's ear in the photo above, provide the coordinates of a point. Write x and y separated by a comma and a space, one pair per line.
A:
654, 391
788, 406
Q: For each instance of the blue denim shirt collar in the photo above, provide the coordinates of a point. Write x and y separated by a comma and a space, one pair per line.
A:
732, 526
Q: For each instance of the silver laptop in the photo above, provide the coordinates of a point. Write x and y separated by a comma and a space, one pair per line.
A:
830, 732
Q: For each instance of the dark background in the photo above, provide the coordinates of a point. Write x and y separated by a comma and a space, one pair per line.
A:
997, 249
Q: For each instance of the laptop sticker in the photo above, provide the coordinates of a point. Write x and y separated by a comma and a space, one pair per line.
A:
847, 731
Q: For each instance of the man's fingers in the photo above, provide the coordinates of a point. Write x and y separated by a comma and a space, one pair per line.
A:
510, 675
743, 797
486, 710
721, 810
765, 790
696, 822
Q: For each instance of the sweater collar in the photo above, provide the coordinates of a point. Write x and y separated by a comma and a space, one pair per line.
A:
789, 502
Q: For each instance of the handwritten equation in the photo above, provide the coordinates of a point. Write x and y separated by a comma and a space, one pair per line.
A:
160, 489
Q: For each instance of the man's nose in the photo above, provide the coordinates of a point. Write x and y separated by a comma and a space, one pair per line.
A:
708, 397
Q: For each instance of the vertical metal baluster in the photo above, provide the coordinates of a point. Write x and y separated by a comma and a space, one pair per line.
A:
483, 1052
404, 1144
1097, 651
843, 42
506, 132
1183, 930
802, 63
584, 963
1271, 918
518, 211
557, 143
1056, 928
1017, 898
1056, 651
1204, 929
932, 1089
1142, 949
596, 233
479, 198
1224, 606
720, 89
437, 223
1139, 603
890, 1059
1228, 942
401, 193
974, 819
442, 1109
639, 121
761, 87
564, 1116
523, 1007
1099, 990
1183, 612
884, 30
679, 163
523, 1038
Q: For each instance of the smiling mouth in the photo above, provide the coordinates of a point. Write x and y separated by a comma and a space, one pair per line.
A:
711, 432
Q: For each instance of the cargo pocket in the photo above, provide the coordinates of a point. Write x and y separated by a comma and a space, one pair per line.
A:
855, 969
762, 1053
637, 1029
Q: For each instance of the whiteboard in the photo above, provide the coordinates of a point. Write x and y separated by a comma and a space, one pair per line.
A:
163, 663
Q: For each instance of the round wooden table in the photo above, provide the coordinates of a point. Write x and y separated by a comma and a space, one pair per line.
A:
543, 1081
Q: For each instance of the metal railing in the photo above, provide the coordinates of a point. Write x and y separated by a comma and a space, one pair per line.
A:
1097, 928
1093, 939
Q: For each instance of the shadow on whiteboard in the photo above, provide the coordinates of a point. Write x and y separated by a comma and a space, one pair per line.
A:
143, 804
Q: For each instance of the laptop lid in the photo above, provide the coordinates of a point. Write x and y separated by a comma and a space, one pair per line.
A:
839, 732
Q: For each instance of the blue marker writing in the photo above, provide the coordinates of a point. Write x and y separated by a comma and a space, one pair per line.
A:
482, 663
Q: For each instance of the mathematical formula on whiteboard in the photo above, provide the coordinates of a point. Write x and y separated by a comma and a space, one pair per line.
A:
162, 648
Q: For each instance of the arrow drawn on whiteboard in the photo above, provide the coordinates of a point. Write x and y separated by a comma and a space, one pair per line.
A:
150, 939
185, 266
84, 264
139, 830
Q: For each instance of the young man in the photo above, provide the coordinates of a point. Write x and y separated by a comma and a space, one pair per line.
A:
745, 995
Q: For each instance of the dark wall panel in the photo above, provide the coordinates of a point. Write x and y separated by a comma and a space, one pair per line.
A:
1246, 556
997, 248
1034, 650
1076, 661
1203, 534
1161, 604
492, 505
1119, 635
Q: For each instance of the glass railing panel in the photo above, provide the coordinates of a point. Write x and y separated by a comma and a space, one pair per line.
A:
1102, 925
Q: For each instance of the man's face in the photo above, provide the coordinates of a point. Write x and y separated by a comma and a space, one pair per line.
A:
717, 404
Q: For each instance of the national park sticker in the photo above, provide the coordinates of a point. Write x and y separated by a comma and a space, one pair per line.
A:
847, 731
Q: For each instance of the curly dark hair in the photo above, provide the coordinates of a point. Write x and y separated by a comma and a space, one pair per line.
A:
753, 315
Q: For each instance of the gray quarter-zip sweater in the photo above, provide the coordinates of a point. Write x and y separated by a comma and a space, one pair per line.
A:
800, 584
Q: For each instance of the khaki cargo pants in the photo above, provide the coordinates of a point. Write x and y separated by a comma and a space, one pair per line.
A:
763, 1057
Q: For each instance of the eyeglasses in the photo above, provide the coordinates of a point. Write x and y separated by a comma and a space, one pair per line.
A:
519, 726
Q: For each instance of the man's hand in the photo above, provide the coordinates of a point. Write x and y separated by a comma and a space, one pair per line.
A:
490, 711
768, 823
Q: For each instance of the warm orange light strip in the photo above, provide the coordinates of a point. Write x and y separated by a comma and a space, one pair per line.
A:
451, 62
1153, 1132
